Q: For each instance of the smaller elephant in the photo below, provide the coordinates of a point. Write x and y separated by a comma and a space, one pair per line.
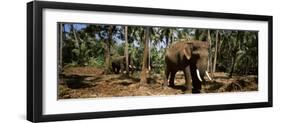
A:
119, 64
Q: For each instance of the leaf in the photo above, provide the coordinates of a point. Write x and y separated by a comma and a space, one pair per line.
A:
83, 46
76, 51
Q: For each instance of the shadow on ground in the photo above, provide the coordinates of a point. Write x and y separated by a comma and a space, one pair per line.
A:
89, 83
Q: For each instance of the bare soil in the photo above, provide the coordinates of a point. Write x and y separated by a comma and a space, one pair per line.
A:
89, 82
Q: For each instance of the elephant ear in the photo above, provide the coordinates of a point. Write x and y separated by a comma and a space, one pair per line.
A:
187, 51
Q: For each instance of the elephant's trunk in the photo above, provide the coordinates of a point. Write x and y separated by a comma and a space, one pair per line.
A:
198, 75
208, 76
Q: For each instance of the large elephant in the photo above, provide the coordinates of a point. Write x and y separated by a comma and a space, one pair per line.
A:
119, 64
192, 58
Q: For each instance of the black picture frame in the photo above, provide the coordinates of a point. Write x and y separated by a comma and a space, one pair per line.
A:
35, 69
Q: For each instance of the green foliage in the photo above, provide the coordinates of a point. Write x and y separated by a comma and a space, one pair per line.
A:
81, 51
97, 62
157, 60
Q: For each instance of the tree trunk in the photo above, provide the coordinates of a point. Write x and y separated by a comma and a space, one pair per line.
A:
148, 64
107, 49
172, 36
197, 35
234, 53
210, 53
167, 41
220, 42
126, 50
60, 47
77, 40
144, 72
232, 66
216, 51
75, 35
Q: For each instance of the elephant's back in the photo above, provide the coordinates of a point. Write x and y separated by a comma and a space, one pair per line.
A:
177, 45
172, 53
118, 59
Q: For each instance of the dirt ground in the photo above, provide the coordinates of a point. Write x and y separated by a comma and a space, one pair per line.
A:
89, 82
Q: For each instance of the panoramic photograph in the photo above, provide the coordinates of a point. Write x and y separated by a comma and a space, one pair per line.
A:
101, 60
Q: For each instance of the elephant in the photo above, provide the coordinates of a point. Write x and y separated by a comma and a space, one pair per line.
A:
119, 63
192, 58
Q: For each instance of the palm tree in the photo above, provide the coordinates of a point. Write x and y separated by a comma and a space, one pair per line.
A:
209, 68
236, 50
144, 72
126, 49
108, 48
60, 44
135, 38
216, 51
201, 34
247, 55
184, 33
105, 34
167, 34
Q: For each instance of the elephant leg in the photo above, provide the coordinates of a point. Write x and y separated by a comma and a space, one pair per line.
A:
187, 77
132, 69
196, 86
114, 69
117, 70
196, 83
167, 74
172, 79
122, 68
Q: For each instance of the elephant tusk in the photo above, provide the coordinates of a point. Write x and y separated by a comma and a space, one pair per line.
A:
198, 75
208, 76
